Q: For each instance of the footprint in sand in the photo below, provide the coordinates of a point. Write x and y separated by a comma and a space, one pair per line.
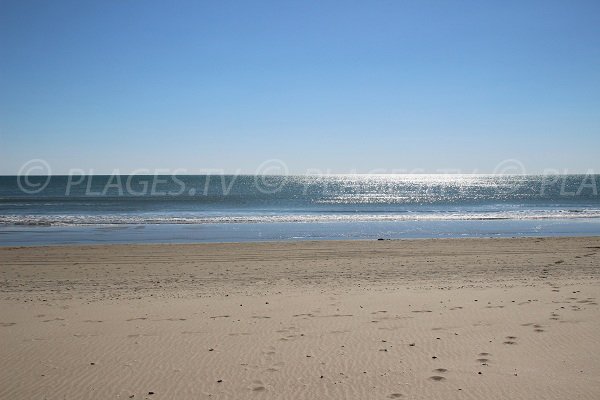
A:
483, 360
484, 354
269, 351
395, 396
437, 378
440, 370
6, 324
257, 386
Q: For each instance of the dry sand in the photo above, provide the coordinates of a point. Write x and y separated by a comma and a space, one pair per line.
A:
422, 319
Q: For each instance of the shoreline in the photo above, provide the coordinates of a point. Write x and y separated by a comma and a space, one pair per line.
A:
291, 241
269, 232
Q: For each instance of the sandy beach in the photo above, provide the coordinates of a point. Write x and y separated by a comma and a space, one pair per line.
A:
414, 319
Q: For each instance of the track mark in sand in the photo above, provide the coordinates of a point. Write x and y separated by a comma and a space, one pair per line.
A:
395, 395
257, 386
261, 317
219, 316
55, 319
538, 327
136, 319
483, 360
138, 335
336, 315
269, 351
437, 378
420, 311
440, 370
7, 324
589, 300
286, 330
93, 321
484, 354
510, 340
35, 339
303, 315
456, 308
391, 328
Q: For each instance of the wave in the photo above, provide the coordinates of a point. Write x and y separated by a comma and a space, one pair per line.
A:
120, 219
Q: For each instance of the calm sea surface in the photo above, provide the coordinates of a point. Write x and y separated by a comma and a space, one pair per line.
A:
112, 209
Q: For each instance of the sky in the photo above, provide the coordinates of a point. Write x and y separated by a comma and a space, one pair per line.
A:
303, 86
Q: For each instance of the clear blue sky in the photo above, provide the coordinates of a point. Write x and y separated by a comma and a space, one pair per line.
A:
339, 86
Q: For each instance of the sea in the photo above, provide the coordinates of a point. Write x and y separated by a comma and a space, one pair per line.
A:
88, 209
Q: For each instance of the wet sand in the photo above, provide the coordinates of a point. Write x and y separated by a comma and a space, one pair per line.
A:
415, 319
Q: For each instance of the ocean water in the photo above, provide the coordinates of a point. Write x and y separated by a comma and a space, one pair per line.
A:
155, 208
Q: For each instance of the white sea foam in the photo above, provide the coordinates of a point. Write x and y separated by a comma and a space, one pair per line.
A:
116, 219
